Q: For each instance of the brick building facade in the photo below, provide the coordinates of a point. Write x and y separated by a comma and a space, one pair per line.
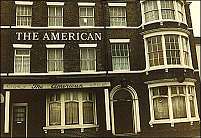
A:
98, 68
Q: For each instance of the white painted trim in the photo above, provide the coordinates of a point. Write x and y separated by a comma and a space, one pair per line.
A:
119, 40
117, 4
4, 26
88, 45
55, 45
23, 2
169, 82
107, 109
165, 32
55, 3
86, 4
22, 45
135, 107
7, 112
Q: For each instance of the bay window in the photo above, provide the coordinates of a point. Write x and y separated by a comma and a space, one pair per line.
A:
167, 49
163, 10
172, 102
77, 107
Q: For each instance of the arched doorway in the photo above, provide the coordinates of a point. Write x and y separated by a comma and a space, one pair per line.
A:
124, 110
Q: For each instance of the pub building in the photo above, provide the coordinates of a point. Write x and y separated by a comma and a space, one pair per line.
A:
102, 68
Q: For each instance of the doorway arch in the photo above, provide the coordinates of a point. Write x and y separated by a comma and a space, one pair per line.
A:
127, 98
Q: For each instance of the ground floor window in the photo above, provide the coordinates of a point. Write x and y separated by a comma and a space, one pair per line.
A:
71, 108
173, 103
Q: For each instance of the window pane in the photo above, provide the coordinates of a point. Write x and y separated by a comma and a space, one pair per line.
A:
118, 16
120, 56
179, 107
88, 59
88, 117
55, 113
72, 113
172, 49
151, 11
55, 59
55, 17
161, 108
23, 15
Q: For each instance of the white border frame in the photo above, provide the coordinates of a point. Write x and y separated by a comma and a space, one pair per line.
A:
165, 65
117, 4
24, 2
171, 120
63, 126
135, 108
86, 4
26, 106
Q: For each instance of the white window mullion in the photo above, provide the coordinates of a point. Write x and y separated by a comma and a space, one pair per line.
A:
170, 107
184, 14
151, 107
176, 11
181, 50
189, 52
47, 111
195, 103
159, 9
142, 12
164, 49
80, 108
188, 103
62, 109
146, 54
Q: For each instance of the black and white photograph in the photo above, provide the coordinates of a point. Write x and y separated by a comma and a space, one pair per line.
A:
100, 68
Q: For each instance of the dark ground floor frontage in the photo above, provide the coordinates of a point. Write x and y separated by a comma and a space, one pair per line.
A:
162, 108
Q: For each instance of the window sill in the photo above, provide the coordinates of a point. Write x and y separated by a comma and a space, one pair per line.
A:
172, 122
168, 67
62, 128
163, 20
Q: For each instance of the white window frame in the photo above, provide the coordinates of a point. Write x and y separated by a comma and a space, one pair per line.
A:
160, 14
22, 46
55, 46
28, 4
55, 5
118, 5
162, 33
171, 120
122, 41
80, 125
88, 46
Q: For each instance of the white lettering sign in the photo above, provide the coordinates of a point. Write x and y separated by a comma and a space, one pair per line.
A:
57, 85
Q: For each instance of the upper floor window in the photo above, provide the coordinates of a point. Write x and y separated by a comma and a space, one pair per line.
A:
55, 57
86, 13
23, 13
117, 14
22, 58
163, 10
22, 61
173, 103
55, 60
166, 49
87, 57
55, 13
120, 55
